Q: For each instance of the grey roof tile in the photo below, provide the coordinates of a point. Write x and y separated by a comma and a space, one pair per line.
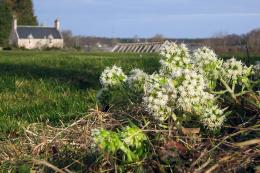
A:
38, 32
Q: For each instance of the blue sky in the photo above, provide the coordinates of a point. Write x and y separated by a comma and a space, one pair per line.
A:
145, 18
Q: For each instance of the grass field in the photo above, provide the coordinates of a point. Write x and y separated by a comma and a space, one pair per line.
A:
55, 86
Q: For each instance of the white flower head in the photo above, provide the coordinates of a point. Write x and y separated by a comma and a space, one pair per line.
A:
212, 117
159, 96
191, 91
112, 77
207, 63
136, 79
233, 70
174, 56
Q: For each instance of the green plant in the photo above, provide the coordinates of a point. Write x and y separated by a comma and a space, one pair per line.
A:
131, 141
187, 85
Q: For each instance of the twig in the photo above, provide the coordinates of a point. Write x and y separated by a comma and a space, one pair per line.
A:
73, 124
200, 157
47, 164
203, 166
229, 136
212, 168
246, 143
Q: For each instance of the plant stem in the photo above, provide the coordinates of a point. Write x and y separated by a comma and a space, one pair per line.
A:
219, 92
231, 92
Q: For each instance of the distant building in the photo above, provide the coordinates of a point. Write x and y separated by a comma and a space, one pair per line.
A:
36, 37
148, 47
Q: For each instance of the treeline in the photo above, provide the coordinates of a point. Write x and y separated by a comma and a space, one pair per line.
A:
229, 44
92, 43
232, 44
21, 9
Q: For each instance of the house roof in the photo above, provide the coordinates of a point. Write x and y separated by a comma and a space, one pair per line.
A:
24, 32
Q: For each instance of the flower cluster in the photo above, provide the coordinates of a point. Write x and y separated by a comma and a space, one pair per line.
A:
204, 56
159, 97
191, 92
112, 77
212, 117
207, 63
136, 80
186, 92
174, 57
184, 84
234, 70
178, 87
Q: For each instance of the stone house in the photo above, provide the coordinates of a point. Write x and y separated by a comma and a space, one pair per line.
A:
36, 37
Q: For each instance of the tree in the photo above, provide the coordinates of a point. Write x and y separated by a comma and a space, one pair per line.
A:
68, 38
23, 10
254, 39
5, 22
136, 39
157, 38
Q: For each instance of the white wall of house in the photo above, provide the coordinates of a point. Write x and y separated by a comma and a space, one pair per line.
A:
40, 43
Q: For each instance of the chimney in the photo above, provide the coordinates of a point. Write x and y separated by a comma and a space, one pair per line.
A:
57, 24
14, 22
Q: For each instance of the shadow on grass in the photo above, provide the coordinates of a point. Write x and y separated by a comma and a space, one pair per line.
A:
78, 79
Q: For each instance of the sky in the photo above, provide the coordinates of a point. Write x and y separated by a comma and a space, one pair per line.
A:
146, 18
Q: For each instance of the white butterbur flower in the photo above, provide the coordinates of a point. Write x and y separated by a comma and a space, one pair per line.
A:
192, 91
136, 79
113, 76
207, 63
175, 57
185, 90
212, 117
233, 70
159, 96
203, 56
183, 84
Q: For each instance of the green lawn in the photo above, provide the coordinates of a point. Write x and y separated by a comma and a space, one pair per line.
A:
55, 86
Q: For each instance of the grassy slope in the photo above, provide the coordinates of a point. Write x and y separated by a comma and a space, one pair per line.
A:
55, 86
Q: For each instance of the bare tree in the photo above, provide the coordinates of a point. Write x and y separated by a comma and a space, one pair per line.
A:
157, 38
68, 38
